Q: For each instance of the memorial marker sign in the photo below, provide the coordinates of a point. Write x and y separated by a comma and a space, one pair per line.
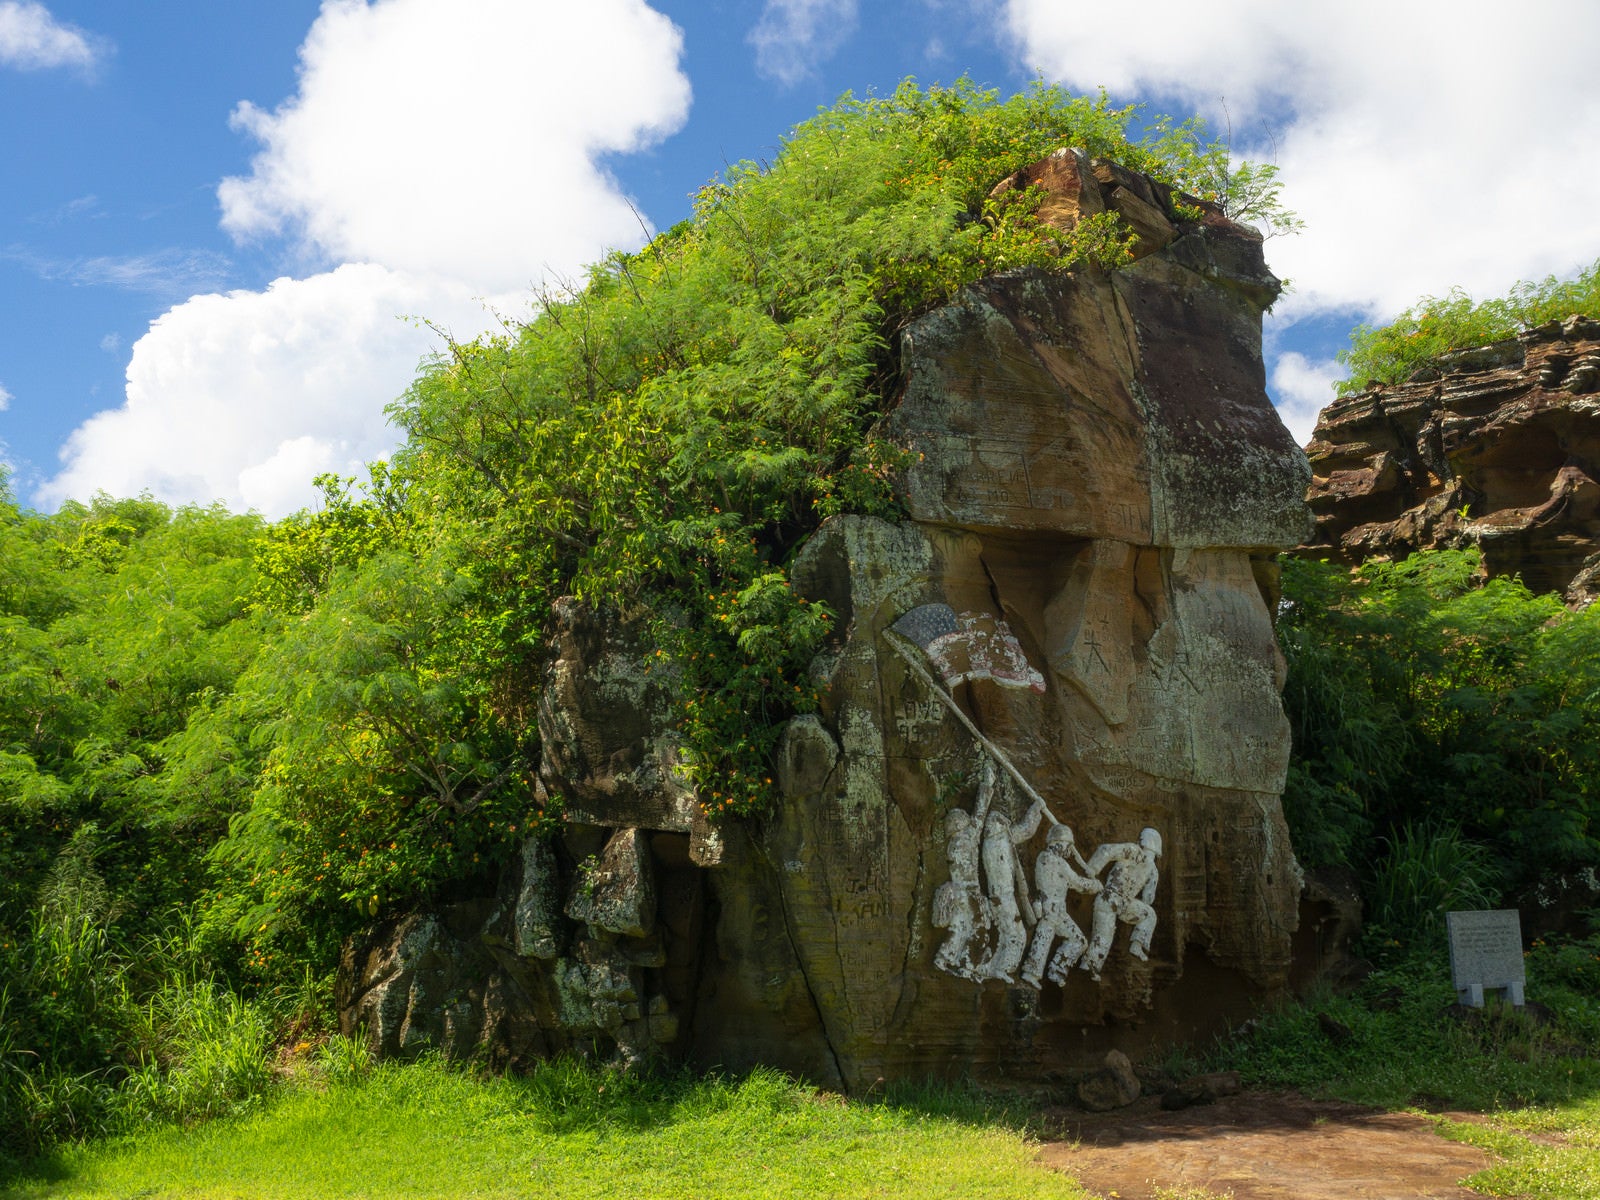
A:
1486, 952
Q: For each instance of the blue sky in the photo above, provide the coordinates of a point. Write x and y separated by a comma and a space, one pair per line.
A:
215, 216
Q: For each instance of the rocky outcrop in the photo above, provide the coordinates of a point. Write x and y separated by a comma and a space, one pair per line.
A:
1496, 447
589, 942
1036, 818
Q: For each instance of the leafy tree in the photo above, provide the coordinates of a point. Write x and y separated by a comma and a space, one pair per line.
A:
120, 621
1420, 696
300, 556
384, 778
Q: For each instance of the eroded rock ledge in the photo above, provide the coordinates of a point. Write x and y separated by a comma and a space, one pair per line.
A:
1498, 447
1037, 816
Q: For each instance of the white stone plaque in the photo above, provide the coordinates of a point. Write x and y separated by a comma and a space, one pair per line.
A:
1486, 952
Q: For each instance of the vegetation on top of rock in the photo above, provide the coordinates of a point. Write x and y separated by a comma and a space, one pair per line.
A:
1436, 325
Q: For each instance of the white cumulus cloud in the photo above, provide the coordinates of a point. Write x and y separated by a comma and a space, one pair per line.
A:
1427, 145
1303, 388
462, 139
5, 398
793, 36
436, 152
31, 39
245, 396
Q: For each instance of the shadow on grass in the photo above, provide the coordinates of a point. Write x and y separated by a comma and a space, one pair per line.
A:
567, 1094
50, 1168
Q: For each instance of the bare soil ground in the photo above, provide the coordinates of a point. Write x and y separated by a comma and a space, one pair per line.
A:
1261, 1146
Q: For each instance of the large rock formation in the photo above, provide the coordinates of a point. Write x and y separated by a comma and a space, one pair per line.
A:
1496, 447
1037, 816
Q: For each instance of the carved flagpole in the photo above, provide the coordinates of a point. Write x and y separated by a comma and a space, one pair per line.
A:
903, 646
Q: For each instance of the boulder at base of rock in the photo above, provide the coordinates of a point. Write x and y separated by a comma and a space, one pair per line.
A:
1114, 1085
617, 891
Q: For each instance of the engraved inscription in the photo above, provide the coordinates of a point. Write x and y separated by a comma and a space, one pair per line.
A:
914, 720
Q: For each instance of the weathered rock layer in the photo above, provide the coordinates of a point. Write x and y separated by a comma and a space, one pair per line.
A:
1496, 447
1036, 817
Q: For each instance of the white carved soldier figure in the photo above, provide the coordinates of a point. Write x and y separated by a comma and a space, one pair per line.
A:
1055, 876
1127, 897
959, 905
1010, 908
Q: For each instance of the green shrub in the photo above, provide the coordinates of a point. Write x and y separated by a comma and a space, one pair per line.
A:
1421, 699
1398, 1040
1432, 326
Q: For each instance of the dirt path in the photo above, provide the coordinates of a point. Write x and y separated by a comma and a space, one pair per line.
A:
1262, 1146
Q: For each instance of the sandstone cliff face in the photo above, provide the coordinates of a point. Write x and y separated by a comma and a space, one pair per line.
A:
1498, 448
1037, 815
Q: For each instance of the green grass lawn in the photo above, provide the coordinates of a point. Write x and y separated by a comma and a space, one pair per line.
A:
423, 1130
1547, 1153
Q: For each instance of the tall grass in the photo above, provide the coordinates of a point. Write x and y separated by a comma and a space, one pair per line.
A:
203, 1052
98, 1038
1426, 870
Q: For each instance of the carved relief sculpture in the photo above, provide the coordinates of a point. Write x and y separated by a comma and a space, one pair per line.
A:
967, 648
1010, 906
1128, 897
959, 905
1055, 876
